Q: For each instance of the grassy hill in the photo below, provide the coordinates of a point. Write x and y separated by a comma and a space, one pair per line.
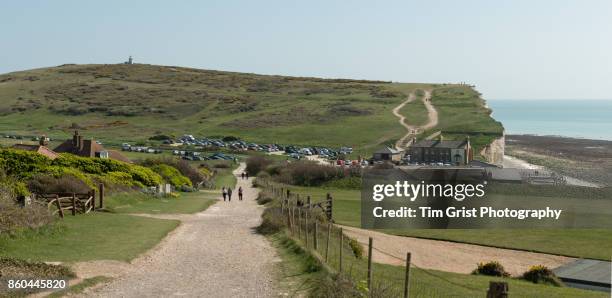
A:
118, 103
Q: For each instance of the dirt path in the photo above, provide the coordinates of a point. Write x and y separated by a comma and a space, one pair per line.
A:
214, 253
449, 256
432, 116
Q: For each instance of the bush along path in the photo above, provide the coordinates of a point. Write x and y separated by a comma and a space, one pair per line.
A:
214, 253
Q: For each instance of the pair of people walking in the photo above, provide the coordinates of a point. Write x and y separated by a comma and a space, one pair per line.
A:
227, 193
244, 175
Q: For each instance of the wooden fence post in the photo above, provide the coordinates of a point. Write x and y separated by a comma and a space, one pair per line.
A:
59, 206
93, 200
370, 242
341, 242
101, 186
306, 227
497, 290
407, 278
316, 236
327, 244
74, 204
299, 223
293, 220
85, 204
329, 209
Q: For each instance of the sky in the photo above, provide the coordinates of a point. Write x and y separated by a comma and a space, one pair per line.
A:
520, 49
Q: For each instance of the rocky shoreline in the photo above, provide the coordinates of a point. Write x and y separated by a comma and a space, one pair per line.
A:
584, 159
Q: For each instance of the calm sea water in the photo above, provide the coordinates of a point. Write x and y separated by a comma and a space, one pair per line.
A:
589, 119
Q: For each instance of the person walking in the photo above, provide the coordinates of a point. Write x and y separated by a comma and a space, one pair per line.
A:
240, 193
247, 175
229, 194
224, 192
242, 175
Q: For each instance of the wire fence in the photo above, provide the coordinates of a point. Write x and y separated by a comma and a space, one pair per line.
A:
310, 223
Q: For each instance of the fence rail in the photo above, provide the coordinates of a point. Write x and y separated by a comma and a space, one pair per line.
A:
311, 224
67, 202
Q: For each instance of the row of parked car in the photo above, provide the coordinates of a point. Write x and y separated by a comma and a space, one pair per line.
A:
194, 155
142, 149
295, 152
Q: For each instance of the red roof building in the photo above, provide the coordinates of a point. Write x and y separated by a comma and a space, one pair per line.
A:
41, 148
88, 148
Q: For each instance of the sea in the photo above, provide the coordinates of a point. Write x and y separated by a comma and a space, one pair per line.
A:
586, 119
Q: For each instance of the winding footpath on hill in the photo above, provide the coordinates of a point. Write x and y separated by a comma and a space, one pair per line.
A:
214, 253
413, 130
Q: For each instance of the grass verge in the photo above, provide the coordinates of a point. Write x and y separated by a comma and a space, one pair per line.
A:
388, 280
95, 236
135, 202
582, 243
80, 287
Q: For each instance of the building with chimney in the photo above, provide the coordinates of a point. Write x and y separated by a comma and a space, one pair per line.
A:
455, 152
41, 148
80, 146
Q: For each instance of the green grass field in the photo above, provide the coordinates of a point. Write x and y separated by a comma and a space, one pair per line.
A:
388, 280
584, 243
130, 103
415, 112
140, 203
94, 236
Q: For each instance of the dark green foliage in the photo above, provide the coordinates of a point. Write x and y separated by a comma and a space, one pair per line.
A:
264, 198
272, 221
335, 286
14, 218
257, 163
309, 173
63, 184
492, 268
542, 275
356, 248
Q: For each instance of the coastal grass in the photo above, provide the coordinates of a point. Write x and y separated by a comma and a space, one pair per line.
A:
388, 280
134, 202
582, 243
415, 112
119, 103
93, 236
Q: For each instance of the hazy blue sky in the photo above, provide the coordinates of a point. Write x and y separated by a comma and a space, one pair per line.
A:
509, 49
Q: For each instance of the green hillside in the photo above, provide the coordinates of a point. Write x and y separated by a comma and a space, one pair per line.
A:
126, 103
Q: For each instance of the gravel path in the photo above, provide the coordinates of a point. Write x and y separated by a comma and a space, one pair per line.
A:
432, 116
214, 253
449, 256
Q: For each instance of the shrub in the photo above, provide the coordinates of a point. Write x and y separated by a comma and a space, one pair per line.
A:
48, 184
14, 218
540, 274
309, 173
335, 286
172, 175
272, 221
492, 268
356, 248
114, 179
22, 164
264, 198
256, 164
194, 175
101, 166
222, 165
